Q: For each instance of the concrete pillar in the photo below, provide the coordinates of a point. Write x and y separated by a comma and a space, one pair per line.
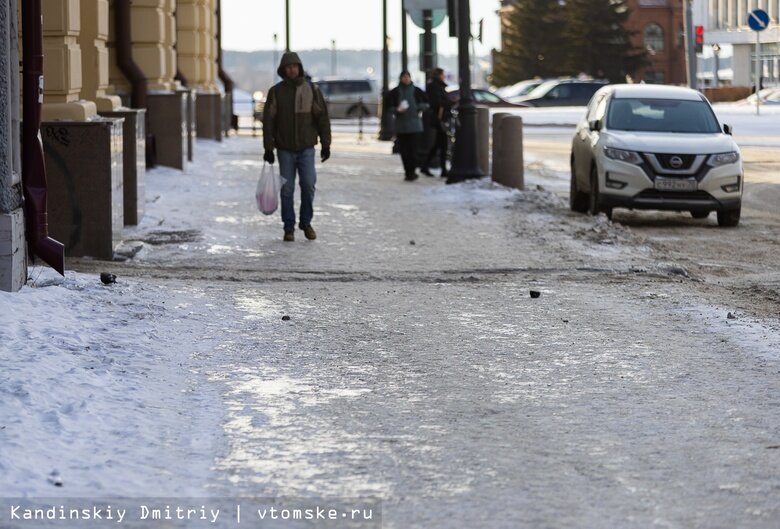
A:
190, 15
743, 64
153, 39
512, 169
92, 38
84, 170
483, 138
198, 62
62, 66
134, 162
498, 119
13, 246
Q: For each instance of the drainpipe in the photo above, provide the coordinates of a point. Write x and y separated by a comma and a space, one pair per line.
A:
223, 75
33, 168
124, 54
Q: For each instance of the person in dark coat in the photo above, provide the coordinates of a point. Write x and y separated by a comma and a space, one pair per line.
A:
441, 107
295, 116
406, 102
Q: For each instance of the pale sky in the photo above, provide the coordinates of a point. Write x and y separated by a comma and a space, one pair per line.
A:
355, 24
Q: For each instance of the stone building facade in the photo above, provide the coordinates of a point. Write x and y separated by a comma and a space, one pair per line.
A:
94, 143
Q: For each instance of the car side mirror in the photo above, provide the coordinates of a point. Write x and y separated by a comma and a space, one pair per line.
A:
727, 129
594, 125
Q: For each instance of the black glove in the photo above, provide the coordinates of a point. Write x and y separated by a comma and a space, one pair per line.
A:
325, 153
269, 157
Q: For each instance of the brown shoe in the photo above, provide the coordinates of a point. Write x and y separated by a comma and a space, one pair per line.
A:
289, 236
309, 232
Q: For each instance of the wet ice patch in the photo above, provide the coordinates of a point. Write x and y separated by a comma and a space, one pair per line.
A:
746, 335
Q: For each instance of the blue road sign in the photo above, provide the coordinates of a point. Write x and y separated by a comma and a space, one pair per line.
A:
758, 20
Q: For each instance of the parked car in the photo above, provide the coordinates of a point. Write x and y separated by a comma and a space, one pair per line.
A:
655, 147
561, 92
345, 97
485, 98
518, 89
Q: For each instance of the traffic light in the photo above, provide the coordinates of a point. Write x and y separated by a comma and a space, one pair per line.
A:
699, 30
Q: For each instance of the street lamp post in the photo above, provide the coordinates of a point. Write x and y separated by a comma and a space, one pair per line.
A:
386, 132
716, 73
333, 58
276, 54
465, 159
690, 45
404, 48
287, 25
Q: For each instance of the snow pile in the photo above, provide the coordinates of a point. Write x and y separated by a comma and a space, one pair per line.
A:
92, 388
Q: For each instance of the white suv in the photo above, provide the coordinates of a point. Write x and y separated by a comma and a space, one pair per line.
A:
655, 147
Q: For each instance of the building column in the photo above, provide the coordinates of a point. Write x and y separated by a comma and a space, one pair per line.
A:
153, 40
191, 37
198, 62
13, 246
62, 67
211, 45
743, 64
93, 38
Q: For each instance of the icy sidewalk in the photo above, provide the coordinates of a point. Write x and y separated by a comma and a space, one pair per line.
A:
100, 390
399, 358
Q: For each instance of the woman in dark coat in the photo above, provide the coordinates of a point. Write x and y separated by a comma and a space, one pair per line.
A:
407, 102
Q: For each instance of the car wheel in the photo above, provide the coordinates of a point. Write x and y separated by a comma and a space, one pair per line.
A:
578, 201
594, 202
729, 218
700, 214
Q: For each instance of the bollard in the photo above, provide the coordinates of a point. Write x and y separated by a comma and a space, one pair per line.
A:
360, 120
483, 138
496, 166
511, 155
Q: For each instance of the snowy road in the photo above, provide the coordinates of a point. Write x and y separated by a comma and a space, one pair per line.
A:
415, 369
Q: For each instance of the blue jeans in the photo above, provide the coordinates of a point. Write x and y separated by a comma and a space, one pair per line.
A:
301, 162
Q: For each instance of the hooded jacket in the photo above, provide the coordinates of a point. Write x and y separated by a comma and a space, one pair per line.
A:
295, 112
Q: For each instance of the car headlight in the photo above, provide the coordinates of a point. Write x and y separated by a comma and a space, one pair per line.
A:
724, 158
622, 156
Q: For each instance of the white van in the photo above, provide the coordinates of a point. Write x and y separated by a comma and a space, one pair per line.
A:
345, 97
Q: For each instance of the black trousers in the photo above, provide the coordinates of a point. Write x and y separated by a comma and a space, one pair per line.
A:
407, 145
441, 144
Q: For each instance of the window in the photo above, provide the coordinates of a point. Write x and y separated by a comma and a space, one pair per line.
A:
662, 115
562, 91
654, 37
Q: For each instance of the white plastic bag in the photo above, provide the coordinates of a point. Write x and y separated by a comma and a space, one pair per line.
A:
269, 187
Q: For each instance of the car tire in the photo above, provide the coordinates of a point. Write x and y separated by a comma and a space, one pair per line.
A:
700, 214
594, 199
729, 218
578, 201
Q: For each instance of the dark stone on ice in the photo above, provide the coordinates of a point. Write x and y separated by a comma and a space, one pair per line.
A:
412, 243
285, 318
535, 294
107, 278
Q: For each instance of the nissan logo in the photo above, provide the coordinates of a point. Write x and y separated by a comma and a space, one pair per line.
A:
676, 162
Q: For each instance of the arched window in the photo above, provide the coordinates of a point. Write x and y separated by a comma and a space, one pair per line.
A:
654, 37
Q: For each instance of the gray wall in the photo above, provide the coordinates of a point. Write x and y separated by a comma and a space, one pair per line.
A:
10, 166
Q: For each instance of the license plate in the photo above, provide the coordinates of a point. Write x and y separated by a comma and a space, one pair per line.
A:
675, 184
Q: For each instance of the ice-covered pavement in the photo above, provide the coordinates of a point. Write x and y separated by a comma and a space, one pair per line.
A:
413, 367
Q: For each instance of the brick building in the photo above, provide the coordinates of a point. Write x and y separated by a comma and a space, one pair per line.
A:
658, 28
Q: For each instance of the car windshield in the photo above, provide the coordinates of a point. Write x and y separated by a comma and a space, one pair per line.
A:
661, 115
542, 89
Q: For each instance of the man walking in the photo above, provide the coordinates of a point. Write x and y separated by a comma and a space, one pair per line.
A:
441, 107
295, 115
